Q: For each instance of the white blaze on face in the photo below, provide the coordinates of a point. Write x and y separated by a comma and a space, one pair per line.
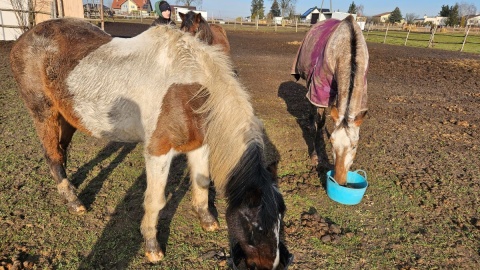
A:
277, 236
345, 144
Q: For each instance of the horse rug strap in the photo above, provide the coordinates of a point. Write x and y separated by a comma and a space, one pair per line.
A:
310, 63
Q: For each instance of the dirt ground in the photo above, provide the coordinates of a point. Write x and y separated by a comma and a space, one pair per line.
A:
419, 147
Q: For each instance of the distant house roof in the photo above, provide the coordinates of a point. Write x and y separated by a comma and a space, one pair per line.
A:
141, 4
382, 14
310, 10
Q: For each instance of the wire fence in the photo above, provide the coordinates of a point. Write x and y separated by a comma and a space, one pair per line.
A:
458, 39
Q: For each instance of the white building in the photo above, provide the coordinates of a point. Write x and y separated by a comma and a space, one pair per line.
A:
474, 20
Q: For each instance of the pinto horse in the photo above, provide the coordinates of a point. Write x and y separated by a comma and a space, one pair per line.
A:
333, 59
212, 34
180, 96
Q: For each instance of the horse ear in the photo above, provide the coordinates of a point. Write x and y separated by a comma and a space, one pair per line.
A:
182, 16
334, 113
198, 17
359, 118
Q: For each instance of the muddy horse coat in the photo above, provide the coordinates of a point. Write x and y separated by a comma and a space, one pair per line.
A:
173, 93
333, 60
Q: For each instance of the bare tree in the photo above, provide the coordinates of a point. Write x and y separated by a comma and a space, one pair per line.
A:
285, 6
465, 9
409, 17
189, 3
360, 10
21, 13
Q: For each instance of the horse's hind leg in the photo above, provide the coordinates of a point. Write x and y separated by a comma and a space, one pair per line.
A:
55, 134
200, 177
157, 174
318, 122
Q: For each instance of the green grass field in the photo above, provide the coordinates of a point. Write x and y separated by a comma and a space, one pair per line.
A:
443, 41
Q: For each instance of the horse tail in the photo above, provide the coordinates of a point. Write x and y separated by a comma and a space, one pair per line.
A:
232, 131
350, 59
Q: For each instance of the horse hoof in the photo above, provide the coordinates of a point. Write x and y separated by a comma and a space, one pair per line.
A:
76, 207
153, 252
210, 226
154, 256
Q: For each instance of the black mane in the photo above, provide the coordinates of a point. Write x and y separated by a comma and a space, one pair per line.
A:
251, 178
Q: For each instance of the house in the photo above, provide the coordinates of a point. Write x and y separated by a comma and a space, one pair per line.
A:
313, 15
128, 6
10, 27
382, 17
440, 21
473, 20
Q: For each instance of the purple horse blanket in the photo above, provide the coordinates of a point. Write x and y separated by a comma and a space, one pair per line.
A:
311, 65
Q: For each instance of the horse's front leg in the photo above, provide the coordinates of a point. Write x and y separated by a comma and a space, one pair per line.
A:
157, 174
318, 114
200, 177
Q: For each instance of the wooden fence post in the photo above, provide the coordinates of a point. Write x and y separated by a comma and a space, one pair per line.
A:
368, 31
465, 39
407, 36
432, 36
385, 38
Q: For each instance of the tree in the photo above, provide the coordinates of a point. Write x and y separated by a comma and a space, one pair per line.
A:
465, 9
451, 12
257, 9
275, 9
360, 10
453, 17
445, 11
189, 3
286, 6
395, 16
352, 9
409, 17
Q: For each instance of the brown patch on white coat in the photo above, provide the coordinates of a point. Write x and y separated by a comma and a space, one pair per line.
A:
46, 96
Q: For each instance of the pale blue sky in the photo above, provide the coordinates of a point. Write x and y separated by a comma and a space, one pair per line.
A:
231, 9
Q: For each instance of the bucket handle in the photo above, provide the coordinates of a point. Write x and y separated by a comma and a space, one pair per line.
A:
332, 179
363, 172
357, 171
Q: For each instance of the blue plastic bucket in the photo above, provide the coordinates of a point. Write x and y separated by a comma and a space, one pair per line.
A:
352, 193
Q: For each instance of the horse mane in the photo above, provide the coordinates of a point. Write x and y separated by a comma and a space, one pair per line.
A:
350, 71
204, 32
231, 127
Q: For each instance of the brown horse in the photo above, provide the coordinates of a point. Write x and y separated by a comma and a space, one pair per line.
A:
212, 34
333, 59
176, 95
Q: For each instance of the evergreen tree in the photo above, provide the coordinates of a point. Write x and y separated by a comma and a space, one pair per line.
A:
395, 16
453, 16
445, 11
275, 9
257, 9
352, 9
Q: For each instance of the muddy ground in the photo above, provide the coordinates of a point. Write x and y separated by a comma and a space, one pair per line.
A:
419, 146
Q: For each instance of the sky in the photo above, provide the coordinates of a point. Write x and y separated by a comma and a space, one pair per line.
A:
241, 8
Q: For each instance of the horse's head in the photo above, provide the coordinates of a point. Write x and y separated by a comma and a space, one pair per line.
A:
190, 22
344, 139
254, 229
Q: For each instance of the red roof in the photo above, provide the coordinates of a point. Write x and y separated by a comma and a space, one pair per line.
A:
117, 4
